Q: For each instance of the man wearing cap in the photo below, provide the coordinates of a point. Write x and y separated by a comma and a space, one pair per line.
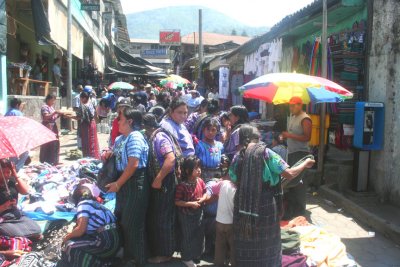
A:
297, 136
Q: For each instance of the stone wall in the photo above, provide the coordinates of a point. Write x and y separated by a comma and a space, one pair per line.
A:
33, 106
384, 86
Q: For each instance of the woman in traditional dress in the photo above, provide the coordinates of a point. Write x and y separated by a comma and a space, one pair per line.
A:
86, 114
174, 123
13, 223
131, 152
257, 170
50, 152
95, 239
238, 115
164, 152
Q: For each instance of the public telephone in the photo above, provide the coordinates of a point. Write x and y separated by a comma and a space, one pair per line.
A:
369, 125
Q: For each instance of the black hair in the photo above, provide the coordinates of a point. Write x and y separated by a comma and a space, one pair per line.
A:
15, 102
224, 116
159, 112
135, 115
176, 103
4, 196
5, 164
56, 60
81, 193
188, 166
84, 95
163, 99
213, 106
49, 97
103, 101
276, 137
150, 120
247, 134
242, 113
203, 104
211, 122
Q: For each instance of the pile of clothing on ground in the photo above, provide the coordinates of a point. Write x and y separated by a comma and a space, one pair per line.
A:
304, 244
48, 204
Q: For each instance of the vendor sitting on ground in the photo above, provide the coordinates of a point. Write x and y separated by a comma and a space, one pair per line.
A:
95, 240
12, 222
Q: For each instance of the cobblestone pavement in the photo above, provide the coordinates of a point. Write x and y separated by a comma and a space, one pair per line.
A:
368, 248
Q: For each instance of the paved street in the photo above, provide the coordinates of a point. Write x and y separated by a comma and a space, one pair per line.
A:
369, 249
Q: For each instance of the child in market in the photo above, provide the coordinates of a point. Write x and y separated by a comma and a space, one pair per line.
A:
224, 191
189, 198
95, 239
210, 151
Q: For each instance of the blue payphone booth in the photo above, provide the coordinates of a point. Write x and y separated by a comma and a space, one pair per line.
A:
369, 126
368, 135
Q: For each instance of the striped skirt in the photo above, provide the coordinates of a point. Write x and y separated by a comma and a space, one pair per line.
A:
50, 152
161, 219
191, 234
265, 249
91, 250
131, 209
90, 143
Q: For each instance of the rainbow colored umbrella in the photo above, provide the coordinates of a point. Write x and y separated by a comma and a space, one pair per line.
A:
174, 81
279, 88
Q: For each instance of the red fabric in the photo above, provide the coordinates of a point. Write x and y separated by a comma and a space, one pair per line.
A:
114, 131
21, 134
90, 143
187, 192
15, 243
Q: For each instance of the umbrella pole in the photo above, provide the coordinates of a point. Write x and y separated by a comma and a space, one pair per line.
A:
4, 179
321, 150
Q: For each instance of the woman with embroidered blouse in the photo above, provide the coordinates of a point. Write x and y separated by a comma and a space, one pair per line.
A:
257, 211
132, 188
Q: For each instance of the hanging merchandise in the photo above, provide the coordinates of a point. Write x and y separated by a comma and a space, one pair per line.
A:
223, 82
236, 82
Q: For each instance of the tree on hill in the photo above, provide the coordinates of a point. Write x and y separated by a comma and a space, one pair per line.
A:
234, 32
244, 33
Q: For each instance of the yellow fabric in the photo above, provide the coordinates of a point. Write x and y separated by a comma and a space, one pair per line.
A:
287, 90
323, 248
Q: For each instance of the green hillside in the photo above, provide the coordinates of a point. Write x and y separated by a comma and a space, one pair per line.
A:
147, 24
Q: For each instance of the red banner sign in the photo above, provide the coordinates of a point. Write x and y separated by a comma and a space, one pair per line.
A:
170, 38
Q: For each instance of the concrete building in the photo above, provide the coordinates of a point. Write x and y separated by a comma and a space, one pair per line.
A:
152, 51
384, 86
37, 29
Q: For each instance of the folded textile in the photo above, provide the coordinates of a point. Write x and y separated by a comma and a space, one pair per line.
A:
298, 221
15, 243
290, 242
322, 248
295, 260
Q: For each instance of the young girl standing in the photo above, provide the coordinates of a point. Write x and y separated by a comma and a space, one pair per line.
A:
189, 198
210, 151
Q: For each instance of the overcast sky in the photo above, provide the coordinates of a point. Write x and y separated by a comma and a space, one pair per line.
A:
250, 12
